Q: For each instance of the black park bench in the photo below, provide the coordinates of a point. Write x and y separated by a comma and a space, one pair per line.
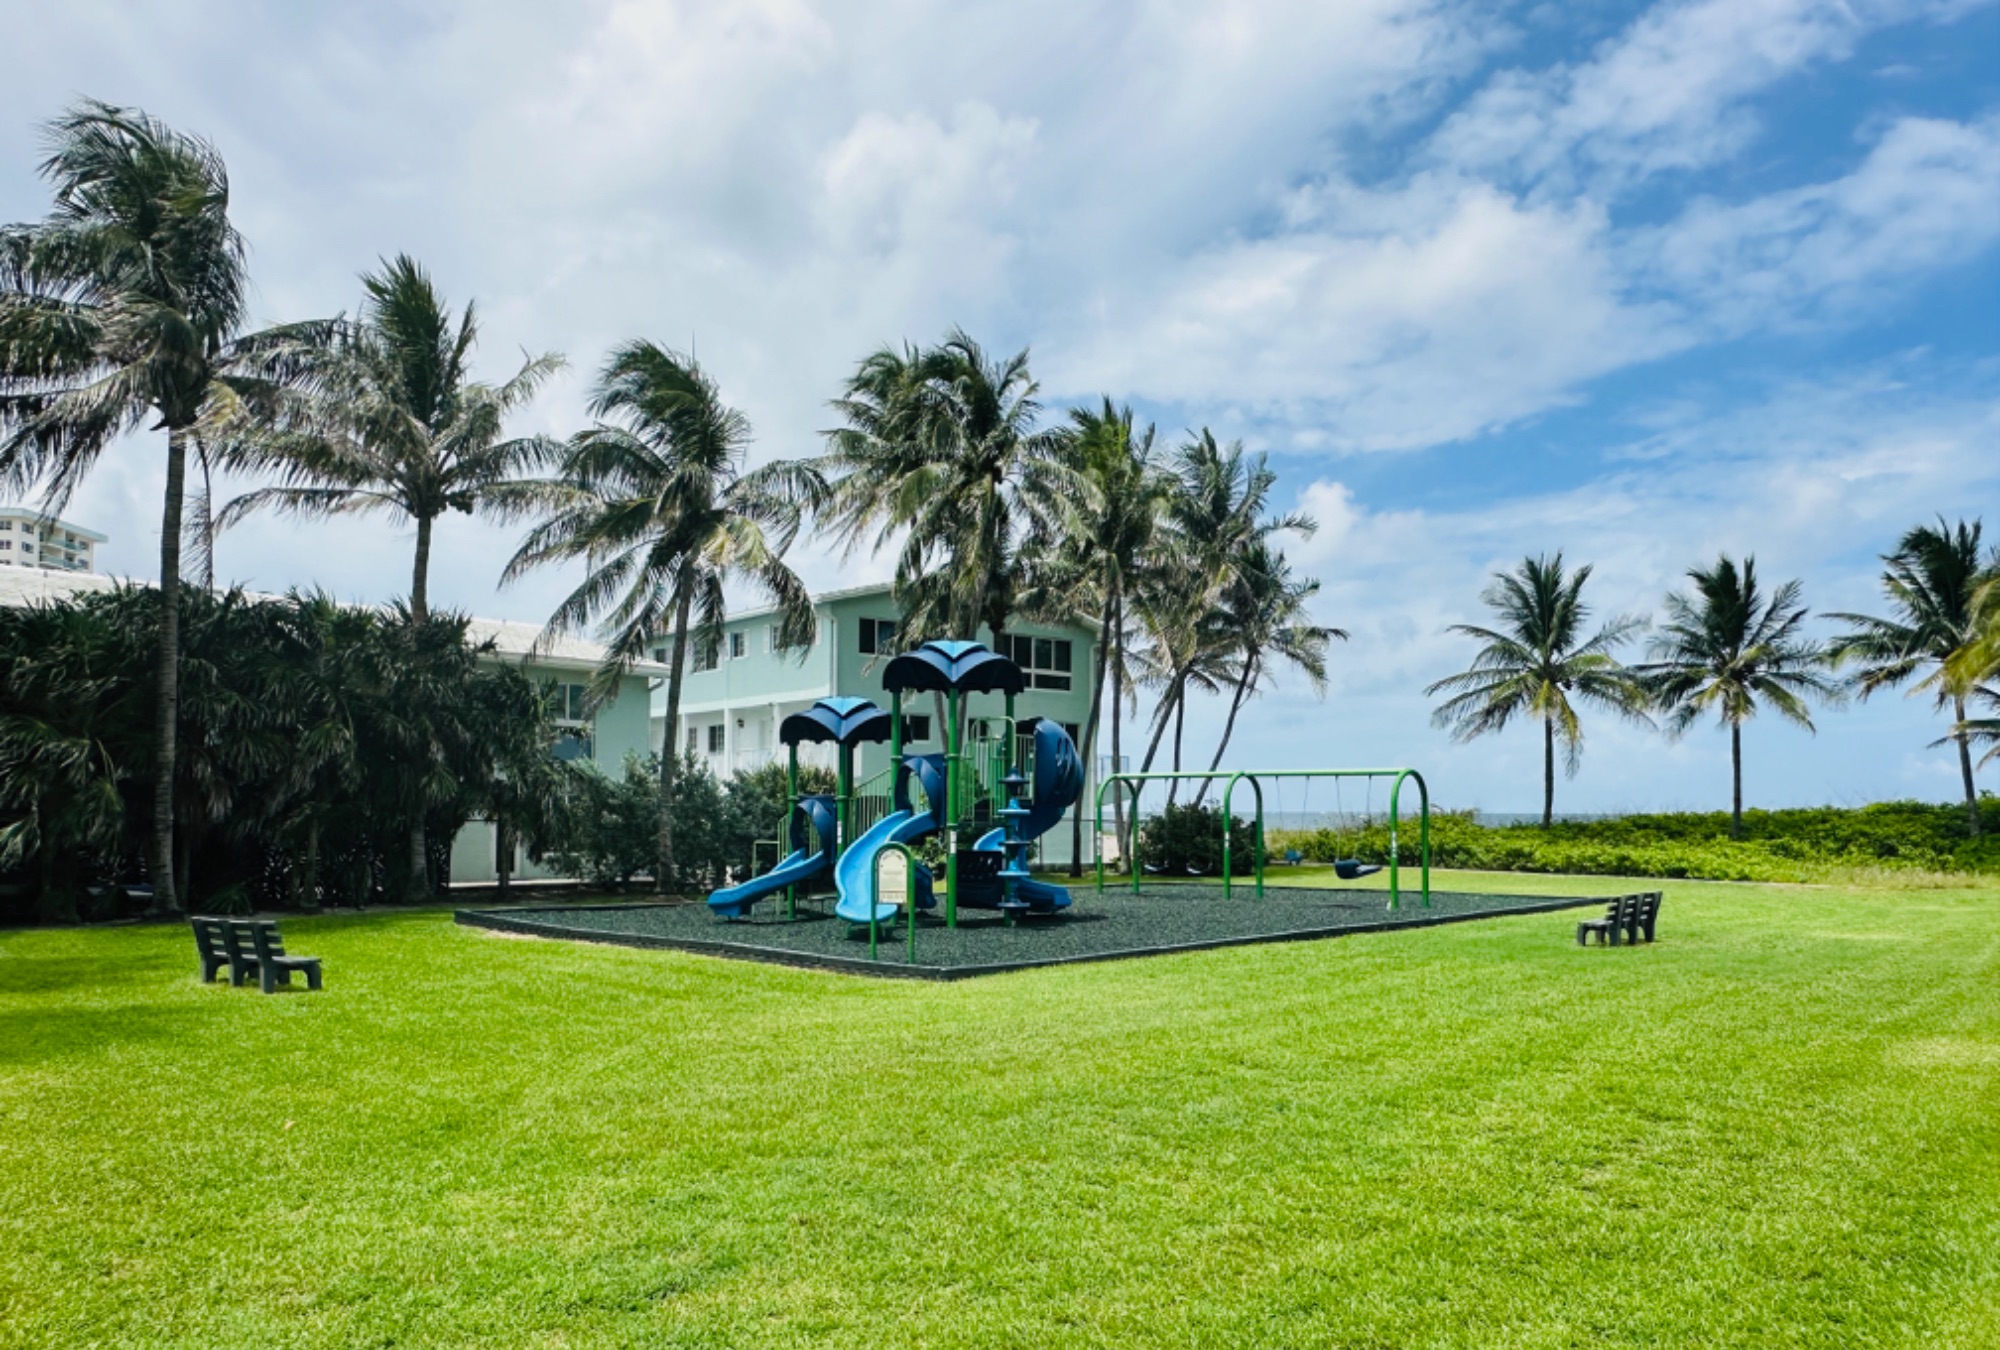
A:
1625, 919
257, 946
211, 939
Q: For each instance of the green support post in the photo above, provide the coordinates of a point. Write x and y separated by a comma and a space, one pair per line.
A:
785, 830
951, 811
843, 807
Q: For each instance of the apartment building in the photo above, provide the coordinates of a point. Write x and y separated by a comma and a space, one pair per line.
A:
30, 539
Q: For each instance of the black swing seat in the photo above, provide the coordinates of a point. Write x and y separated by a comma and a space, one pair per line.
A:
1353, 869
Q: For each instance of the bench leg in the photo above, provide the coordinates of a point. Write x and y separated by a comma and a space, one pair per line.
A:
312, 977
271, 977
1583, 935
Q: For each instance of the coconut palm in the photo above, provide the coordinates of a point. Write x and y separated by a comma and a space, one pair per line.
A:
391, 421
394, 422
1219, 529
655, 499
1267, 611
122, 307
1931, 581
1728, 648
1537, 663
1090, 545
940, 454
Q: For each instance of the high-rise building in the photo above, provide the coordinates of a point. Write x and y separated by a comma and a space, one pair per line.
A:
30, 539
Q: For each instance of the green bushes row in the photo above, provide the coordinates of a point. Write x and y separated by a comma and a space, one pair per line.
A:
1792, 845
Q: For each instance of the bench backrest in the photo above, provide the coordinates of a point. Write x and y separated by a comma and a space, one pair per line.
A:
267, 939
209, 936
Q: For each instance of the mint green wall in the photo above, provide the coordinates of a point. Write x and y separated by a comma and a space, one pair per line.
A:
624, 725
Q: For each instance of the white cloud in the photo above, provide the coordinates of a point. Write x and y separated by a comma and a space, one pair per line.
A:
1669, 93
1926, 196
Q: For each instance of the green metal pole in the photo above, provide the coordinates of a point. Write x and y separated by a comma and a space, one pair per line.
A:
785, 830
951, 808
844, 814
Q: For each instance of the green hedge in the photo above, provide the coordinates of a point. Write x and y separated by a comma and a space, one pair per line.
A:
1796, 845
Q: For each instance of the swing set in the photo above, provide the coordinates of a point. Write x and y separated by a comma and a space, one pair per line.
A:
1131, 785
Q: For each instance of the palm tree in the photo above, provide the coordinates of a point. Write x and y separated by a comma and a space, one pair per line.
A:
940, 450
1931, 581
1537, 663
1091, 546
123, 306
1726, 647
1218, 531
394, 422
1266, 610
655, 498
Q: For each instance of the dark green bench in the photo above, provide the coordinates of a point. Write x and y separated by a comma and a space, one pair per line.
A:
1625, 919
258, 946
211, 939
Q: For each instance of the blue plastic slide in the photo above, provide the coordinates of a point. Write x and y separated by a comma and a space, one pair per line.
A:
1058, 783
807, 861
854, 877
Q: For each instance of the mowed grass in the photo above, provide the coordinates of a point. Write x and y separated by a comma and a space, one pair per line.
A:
1778, 1126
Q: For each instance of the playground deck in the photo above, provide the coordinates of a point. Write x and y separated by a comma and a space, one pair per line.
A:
1163, 918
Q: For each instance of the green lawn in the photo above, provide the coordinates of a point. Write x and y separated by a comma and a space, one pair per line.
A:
1779, 1126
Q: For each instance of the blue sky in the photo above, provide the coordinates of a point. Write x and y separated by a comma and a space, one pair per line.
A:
1640, 282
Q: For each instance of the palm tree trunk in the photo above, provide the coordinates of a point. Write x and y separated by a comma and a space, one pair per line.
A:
1965, 770
1548, 771
1117, 723
1736, 778
1228, 727
420, 607
419, 888
309, 901
1088, 749
1180, 725
670, 747
1161, 718
167, 699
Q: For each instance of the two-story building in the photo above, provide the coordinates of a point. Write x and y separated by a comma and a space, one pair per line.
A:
605, 735
734, 695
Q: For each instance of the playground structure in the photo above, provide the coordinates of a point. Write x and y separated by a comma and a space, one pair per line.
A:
1131, 785
1001, 783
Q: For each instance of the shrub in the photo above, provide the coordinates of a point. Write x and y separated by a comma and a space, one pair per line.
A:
1187, 839
1791, 845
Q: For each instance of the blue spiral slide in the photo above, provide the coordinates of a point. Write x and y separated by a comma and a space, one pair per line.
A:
814, 838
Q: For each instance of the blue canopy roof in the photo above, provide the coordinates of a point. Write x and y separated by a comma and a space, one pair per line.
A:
843, 721
965, 666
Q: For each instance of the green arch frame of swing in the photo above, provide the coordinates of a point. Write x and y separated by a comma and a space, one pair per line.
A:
1138, 781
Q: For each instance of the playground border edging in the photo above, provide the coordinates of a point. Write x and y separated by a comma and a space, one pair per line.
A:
508, 921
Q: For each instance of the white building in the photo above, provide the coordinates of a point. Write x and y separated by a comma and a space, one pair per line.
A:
30, 539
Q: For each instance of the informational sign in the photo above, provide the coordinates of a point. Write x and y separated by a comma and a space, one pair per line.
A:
892, 877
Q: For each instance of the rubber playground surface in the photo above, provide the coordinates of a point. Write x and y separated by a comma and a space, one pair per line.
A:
1180, 916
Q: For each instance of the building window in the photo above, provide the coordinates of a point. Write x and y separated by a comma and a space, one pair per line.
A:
693, 744
569, 704
6, 543
6, 527
705, 655
878, 636
1075, 733
660, 655
1045, 661
715, 739
916, 727
738, 646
